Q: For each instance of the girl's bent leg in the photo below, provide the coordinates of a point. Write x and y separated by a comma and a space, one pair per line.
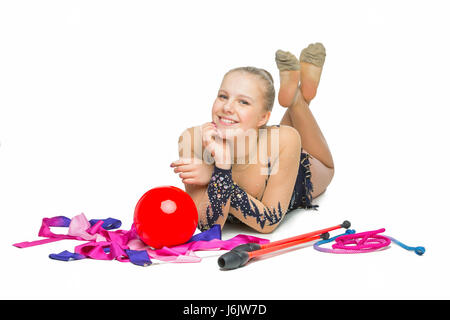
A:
321, 176
298, 114
286, 120
313, 140
301, 118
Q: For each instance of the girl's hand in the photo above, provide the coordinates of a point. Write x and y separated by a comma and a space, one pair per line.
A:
193, 173
216, 145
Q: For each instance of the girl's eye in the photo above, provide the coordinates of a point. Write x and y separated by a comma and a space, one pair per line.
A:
244, 102
222, 96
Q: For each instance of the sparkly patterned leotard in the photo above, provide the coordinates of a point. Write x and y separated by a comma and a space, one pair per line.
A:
222, 189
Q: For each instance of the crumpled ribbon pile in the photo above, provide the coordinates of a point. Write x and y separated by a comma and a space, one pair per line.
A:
125, 245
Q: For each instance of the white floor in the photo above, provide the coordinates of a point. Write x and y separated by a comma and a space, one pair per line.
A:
300, 273
90, 116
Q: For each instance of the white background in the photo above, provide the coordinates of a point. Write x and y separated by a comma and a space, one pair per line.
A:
94, 94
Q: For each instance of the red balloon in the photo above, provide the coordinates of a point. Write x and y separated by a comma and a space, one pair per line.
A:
165, 216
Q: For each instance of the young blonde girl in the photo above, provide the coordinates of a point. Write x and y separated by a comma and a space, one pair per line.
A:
278, 168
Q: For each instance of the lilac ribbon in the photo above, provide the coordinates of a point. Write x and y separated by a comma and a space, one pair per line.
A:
125, 245
78, 230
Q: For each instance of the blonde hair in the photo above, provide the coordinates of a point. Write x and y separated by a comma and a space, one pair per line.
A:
266, 77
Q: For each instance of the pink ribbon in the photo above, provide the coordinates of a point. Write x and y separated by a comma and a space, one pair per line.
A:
185, 252
109, 245
363, 241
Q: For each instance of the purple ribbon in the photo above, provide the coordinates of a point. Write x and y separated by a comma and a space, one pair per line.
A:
125, 245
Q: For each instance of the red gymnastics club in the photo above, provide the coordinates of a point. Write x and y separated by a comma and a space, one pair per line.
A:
241, 254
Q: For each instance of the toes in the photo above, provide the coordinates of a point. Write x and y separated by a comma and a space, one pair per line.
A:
315, 54
286, 61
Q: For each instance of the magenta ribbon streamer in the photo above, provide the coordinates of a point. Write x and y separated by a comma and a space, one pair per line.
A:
352, 242
125, 245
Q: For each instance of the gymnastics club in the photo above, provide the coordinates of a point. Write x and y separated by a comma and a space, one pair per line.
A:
237, 258
255, 246
240, 255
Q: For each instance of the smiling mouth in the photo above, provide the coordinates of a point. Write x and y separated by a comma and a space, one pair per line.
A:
227, 122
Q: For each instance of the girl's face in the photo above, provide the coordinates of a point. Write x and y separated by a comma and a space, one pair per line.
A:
239, 104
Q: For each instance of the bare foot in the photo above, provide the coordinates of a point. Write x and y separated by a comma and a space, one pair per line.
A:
289, 68
312, 59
